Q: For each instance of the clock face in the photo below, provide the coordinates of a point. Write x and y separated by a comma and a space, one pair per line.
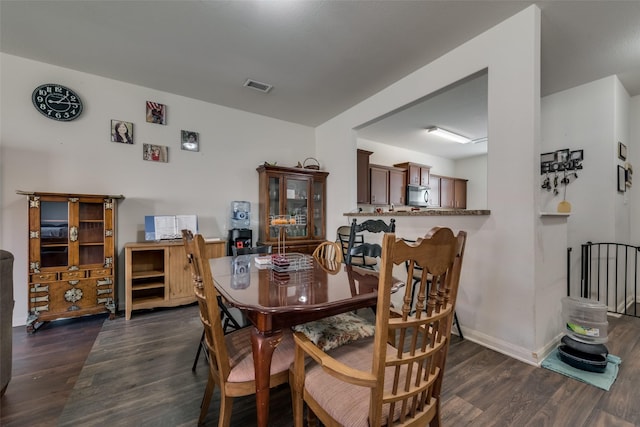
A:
57, 102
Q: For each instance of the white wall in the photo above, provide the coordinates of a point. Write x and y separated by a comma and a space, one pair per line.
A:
39, 154
389, 155
634, 159
592, 117
498, 286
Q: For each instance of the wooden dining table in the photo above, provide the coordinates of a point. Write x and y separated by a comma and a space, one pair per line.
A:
273, 301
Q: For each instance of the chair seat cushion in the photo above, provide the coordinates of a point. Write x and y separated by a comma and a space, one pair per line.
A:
348, 404
241, 355
332, 332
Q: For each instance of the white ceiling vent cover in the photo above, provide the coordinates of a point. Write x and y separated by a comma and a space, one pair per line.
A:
253, 84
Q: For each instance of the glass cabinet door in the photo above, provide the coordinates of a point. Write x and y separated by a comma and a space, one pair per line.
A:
274, 203
296, 205
317, 223
91, 233
54, 234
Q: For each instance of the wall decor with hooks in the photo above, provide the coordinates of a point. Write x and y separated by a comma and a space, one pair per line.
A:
561, 160
559, 169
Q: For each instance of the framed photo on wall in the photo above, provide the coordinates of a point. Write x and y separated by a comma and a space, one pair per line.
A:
155, 153
189, 140
156, 113
121, 131
622, 179
622, 151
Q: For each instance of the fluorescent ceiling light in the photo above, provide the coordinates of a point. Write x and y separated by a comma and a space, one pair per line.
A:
448, 135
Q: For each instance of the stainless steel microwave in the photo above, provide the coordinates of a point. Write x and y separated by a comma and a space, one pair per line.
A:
417, 195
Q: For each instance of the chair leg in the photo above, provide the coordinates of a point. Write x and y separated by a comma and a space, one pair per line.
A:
455, 320
226, 405
224, 312
206, 399
200, 344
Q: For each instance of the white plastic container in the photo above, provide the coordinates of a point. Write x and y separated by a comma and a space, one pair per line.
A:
585, 320
240, 214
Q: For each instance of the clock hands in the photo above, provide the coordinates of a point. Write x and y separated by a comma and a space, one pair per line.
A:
63, 100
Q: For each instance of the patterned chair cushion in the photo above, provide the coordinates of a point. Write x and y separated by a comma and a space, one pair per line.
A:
332, 332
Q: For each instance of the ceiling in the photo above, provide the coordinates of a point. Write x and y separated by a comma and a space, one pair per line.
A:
321, 56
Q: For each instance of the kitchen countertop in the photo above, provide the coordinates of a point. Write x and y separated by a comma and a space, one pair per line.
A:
424, 212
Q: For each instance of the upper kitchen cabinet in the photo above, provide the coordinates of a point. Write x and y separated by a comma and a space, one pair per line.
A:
363, 176
453, 192
298, 195
397, 186
417, 174
388, 185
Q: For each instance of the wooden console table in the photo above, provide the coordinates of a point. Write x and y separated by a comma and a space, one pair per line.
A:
157, 274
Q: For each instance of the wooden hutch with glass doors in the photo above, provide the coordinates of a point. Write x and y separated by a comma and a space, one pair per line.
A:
72, 259
292, 208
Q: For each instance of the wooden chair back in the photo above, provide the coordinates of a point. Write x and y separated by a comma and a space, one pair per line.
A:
234, 377
409, 350
364, 253
330, 251
206, 295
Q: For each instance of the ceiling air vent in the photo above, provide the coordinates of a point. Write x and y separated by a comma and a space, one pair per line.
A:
262, 87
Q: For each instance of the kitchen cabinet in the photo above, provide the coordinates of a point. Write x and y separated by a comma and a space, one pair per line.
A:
379, 178
388, 185
446, 192
434, 192
453, 192
397, 186
157, 274
72, 260
297, 194
363, 176
460, 193
417, 174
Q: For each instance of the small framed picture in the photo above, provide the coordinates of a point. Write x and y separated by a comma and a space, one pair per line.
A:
189, 140
547, 157
155, 153
156, 113
121, 131
562, 155
629, 175
576, 155
622, 179
622, 151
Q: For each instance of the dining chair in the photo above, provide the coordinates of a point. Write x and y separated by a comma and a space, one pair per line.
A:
229, 322
329, 256
330, 251
361, 253
394, 377
417, 276
231, 366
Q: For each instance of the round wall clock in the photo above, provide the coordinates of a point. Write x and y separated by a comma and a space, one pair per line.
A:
57, 102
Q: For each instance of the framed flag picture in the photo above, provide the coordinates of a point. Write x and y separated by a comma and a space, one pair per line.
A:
156, 113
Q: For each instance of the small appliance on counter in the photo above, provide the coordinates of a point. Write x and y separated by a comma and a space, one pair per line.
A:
240, 235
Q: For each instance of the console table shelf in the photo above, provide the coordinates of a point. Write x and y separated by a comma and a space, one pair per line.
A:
157, 274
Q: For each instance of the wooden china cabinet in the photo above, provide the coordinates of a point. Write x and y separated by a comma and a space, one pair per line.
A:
299, 195
72, 259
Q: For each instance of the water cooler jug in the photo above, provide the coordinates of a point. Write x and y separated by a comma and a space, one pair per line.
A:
240, 235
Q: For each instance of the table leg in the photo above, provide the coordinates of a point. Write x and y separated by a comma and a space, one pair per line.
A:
263, 347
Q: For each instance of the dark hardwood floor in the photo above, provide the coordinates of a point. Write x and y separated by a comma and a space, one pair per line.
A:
481, 387
45, 368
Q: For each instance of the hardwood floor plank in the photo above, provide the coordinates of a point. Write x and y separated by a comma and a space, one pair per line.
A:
90, 372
